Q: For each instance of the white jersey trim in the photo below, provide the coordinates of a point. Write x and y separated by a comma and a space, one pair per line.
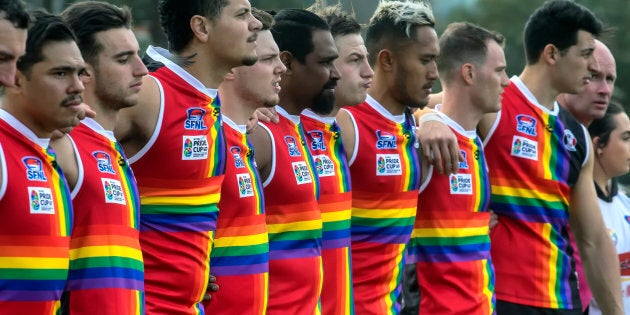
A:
162, 55
399, 119
324, 119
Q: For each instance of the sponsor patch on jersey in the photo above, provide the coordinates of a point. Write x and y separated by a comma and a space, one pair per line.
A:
317, 140
245, 186
388, 165
41, 200
236, 154
464, 164
195, 119
461, 184
113, 191
385, 140
103, 162
34, 169
301, 172
324, 165
292, 146
569, 140
195, 148
524, 148
526, 124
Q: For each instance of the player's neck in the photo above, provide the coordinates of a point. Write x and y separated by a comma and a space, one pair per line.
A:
538, 81
237, 109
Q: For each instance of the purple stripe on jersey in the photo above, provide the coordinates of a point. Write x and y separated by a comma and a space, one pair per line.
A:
105, 283
239, 270
179, 227
381, 239
448, 257
336, 243
294, 253
30, 295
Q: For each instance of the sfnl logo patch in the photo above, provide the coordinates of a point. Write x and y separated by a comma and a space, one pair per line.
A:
41, 200
113, 191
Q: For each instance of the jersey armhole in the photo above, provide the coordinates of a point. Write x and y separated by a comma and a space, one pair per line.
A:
156, 131
4, 182
355, 148
80, 170
272, 170
426, 180
494, 127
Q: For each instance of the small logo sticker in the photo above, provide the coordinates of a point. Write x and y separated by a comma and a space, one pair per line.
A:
113, 191
245, 187
301, 172
388, 165
461, 184
41, 200
194, 148
324, 165
524, 148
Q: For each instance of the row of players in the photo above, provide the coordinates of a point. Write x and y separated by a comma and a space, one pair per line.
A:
327, 208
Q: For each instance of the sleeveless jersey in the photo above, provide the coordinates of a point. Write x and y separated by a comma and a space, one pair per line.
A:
450, 240
335, 201
179, 173
616, 213
535, 156
35, 223
105, 257
385, 181
293, 220
240, 257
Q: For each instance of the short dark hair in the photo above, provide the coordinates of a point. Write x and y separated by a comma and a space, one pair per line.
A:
602, 127
46, 28
340, 22
14, 12
293, 31
393, 23
91, 17
557, 22
265, 18
175, 18
464, 42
